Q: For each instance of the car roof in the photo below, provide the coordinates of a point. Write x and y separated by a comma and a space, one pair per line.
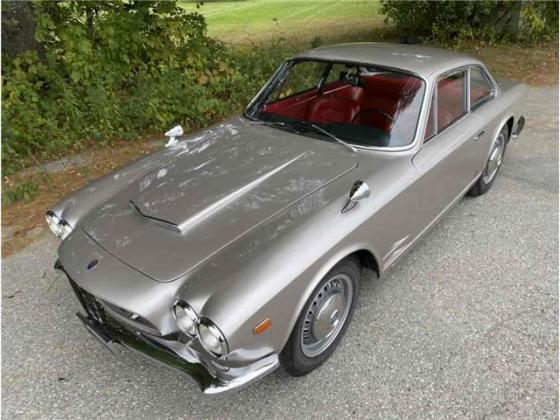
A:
417, 59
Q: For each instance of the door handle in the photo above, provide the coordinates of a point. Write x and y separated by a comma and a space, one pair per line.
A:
479, 135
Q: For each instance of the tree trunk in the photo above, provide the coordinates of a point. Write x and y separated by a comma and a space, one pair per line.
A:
514, 19
18, 28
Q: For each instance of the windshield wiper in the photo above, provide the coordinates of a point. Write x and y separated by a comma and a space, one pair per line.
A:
305, 124
266, 122
308, 124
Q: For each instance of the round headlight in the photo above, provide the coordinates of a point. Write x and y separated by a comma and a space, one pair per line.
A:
58, 226
65, 228
186, 318
54, 223
212, 338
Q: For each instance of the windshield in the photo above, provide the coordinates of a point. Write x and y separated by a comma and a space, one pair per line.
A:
361, 105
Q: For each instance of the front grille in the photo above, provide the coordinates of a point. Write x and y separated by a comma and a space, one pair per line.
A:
90, 303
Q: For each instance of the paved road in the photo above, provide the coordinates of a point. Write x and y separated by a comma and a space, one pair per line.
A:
464, 326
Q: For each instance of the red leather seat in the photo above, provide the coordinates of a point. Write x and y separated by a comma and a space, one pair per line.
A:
386, 93
451, 101
340, 106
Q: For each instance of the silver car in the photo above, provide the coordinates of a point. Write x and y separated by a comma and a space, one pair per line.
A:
238, 249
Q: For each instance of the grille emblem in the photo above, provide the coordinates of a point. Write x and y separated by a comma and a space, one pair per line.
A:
92, 265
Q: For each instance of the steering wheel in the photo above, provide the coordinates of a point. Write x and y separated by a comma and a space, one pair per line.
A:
379, 111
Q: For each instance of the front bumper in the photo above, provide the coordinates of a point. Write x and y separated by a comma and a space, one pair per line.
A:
211, 376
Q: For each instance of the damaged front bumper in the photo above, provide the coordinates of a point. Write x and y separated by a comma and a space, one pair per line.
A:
211, 376
207, 378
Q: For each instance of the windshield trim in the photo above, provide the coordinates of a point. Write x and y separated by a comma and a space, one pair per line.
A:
256, 102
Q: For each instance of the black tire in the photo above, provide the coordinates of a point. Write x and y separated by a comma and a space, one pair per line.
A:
483, 184
292, 358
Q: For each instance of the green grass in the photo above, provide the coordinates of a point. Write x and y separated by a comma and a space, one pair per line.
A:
262, 20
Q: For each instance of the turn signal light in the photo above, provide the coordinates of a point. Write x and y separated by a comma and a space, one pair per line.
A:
263, 326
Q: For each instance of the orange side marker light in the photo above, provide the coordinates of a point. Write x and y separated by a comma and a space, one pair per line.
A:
263, 326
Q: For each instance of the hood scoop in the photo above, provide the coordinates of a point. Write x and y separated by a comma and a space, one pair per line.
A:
177, 218
165, 223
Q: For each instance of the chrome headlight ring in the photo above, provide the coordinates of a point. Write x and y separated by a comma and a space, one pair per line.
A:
65, 228
186, 317
60, 227
211, 338
208, 334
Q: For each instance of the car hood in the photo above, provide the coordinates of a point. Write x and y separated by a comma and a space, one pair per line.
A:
212, 191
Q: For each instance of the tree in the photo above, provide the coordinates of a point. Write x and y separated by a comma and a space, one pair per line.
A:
449, 21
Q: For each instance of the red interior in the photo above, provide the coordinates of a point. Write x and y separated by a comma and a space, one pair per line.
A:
340, 102
451, 103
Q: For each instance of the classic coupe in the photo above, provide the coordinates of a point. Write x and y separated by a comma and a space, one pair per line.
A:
239, 249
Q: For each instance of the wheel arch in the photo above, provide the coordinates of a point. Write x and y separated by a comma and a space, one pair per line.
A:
510, 123
366, 257
503, 122
366, 260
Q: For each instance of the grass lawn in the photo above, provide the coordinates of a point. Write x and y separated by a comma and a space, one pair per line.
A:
240, 22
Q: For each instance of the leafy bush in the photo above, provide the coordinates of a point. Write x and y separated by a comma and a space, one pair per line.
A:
489, 20
24, 191
114, 69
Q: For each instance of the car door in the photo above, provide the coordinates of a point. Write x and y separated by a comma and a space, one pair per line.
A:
482, 92
447, 160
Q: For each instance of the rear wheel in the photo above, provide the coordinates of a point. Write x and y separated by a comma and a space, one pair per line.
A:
324, 319
493, 164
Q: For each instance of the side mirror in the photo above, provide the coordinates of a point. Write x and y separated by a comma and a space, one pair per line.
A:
175, 132
359, 191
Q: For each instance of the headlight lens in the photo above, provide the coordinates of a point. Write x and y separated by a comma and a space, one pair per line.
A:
186, 317
58, 226
65, 228
53, 221
212, 338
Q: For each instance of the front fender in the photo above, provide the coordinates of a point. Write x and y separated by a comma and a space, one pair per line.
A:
271, 272
76, 206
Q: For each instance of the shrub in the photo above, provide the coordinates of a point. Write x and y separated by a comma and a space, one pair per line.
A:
455, 21
114, 69
22, 192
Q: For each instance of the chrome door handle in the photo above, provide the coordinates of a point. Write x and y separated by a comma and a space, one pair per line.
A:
479, 135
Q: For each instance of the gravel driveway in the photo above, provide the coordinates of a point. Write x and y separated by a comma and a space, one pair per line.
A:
464, 326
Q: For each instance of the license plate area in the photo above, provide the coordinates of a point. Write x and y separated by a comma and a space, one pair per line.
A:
98, 332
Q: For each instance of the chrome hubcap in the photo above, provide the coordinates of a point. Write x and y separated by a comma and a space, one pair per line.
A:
326, 315
495, 160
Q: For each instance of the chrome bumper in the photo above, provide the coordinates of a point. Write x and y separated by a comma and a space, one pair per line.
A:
210, 380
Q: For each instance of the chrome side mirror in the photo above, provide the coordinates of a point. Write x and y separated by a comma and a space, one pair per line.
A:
175, 132
359, 191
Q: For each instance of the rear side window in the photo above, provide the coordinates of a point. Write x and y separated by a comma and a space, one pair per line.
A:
451, 99
481, 88
449, 103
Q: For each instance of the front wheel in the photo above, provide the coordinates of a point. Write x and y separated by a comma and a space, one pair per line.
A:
324, 319
486, 179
